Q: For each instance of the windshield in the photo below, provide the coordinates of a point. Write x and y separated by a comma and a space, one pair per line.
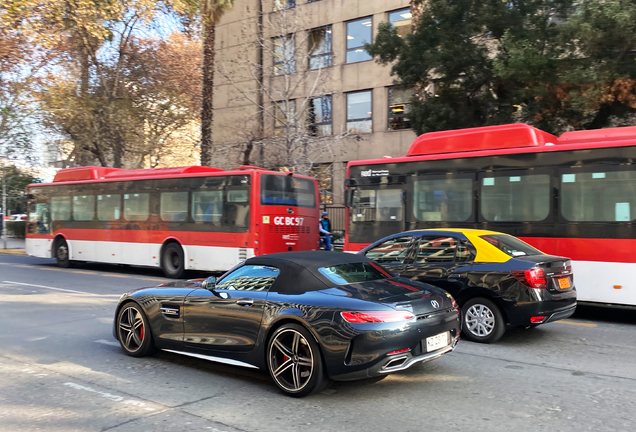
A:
511, 245
343, 274
287, 190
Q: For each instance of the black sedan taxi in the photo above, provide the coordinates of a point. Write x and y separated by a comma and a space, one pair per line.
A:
496, 278
305, 317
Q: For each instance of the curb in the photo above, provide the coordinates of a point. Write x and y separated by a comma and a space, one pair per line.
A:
13, 251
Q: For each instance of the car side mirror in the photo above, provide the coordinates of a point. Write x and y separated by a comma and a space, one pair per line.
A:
209, 283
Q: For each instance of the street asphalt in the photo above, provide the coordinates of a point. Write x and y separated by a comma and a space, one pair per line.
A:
61, 370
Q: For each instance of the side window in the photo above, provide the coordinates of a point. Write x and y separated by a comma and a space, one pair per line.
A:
61, 208
108, 207
174, 206
249, 278
136, 207
83, 207
516, 198
391, 251
207, 206
439, 250
389, 205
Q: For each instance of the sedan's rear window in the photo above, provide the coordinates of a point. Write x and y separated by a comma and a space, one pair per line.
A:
343, 274
511, 245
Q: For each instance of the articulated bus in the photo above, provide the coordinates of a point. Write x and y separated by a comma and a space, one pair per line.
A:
175, 218
572, 195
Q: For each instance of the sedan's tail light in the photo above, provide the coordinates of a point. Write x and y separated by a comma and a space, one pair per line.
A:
377, 317
533, 278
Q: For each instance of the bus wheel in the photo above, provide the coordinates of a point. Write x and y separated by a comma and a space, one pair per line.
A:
62, 255
172, 261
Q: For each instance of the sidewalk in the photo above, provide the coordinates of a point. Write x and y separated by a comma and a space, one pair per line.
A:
13, 246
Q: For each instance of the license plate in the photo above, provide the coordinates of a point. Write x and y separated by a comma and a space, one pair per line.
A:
436, 342
564, 283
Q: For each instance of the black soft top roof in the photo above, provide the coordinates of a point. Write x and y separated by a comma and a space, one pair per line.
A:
299, 270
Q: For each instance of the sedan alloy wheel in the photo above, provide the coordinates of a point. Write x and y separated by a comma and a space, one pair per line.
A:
133, 333
482, 321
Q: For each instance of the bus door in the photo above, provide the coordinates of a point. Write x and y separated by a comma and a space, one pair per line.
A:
377, 213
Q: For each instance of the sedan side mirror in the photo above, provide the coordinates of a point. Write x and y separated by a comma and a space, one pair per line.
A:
209, 283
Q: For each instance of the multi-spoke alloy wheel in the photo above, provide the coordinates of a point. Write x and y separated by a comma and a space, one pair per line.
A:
132, 331
294, 361
480, 320
483, 321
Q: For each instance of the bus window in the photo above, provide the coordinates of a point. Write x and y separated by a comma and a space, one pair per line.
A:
602, 196
389, 205
174, 206
83, 207
443, 200
61, 208
108, 207
236, 209
39, 218
523, 198
207, 206
136, 207
363, 206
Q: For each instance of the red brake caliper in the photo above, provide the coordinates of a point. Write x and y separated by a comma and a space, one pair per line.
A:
141, 333
285, 358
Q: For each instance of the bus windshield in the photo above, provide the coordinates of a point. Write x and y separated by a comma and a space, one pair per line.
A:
287, 190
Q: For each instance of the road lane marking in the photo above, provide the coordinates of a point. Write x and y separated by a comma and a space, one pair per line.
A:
106, 342
582, 324
112, 397
48, 287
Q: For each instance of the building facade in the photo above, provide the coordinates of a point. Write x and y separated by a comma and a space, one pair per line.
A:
293, 81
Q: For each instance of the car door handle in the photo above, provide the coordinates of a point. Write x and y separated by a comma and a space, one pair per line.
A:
454, 277
245, 302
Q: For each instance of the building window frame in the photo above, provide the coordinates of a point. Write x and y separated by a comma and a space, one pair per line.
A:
358, 47
391, 115
313, 126
359, 120
324, 59
281, 106
388, 18
284, 63
280, 5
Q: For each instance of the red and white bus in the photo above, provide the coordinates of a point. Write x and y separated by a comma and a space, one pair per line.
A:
175, 218
572, 195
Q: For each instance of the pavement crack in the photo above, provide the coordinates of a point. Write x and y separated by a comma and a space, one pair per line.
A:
133, 420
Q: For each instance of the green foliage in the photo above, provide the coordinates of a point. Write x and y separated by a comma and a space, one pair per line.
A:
557, 64
16, 229
16, 186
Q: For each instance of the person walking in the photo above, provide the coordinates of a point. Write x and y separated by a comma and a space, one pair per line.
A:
325, 230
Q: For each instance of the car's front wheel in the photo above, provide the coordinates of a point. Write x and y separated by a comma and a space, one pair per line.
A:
133, 331
294, 361
482, 321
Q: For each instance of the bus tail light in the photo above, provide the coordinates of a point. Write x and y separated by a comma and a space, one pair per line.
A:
533, 278
377, 317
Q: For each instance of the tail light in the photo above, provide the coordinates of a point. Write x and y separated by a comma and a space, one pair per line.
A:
537, 319
533, 278
453, 302
377, 317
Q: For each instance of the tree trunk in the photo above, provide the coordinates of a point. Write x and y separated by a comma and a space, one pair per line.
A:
207, 110
247, 152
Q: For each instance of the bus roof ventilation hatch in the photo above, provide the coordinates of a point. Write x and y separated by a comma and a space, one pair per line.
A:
480, 139
598, 135
83, 173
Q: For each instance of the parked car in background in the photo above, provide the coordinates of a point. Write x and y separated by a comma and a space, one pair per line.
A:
305, 317
496, 278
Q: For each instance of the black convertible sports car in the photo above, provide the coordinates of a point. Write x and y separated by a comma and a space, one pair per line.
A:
306, 317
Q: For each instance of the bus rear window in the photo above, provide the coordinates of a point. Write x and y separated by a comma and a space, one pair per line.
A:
287, 190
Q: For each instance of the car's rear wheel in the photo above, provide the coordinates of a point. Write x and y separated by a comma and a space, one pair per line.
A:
62, 254
482, 321
172, 261
294, 361
133, 331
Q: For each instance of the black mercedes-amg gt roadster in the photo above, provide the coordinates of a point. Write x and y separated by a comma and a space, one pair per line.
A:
306, 317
